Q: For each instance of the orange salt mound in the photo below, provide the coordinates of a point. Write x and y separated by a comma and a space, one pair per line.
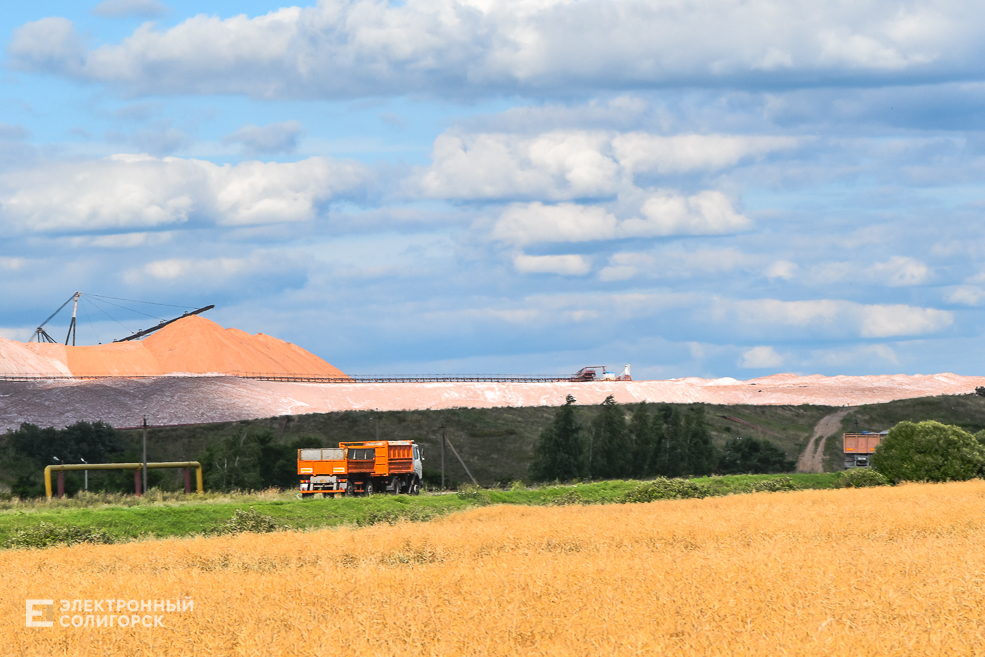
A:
193, 345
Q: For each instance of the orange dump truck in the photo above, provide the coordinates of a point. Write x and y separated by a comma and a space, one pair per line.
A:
361, 468
859, 447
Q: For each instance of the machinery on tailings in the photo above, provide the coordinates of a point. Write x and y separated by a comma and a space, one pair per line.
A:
361, 468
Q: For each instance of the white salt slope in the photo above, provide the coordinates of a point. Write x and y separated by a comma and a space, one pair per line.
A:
18, 359
182, 400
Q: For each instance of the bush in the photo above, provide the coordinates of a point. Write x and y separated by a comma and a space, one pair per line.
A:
752, 456
667, 489
775, 485
473, 493
860, 478
567, 498
46, 534
246, 521
928, 451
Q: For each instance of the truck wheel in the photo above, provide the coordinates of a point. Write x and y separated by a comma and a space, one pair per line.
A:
394, 487
350, 488
415, 487
368, 487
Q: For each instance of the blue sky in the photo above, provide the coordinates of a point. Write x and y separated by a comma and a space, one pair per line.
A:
492, 186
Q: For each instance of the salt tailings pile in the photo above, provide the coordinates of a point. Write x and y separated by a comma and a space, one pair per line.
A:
195, 345
191, 345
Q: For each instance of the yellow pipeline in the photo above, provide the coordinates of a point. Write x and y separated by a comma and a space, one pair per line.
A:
123, 466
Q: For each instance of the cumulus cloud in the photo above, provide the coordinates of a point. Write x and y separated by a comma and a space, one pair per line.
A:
783, 269
641, 152
967, 295
760, 358
126, 8
898, 271
566, 265
131, 191
570, 164
267, 139
664, 213
555, 165
834, 316
671, 264
366, 47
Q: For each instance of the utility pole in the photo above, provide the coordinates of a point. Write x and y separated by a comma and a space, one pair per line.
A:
442, 427
145, 455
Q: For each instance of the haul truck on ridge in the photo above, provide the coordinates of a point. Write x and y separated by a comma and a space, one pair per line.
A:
361, 468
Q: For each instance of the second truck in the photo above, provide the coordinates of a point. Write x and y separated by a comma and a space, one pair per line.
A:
361, 468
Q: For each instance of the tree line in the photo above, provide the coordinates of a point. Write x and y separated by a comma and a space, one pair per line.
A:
668, 442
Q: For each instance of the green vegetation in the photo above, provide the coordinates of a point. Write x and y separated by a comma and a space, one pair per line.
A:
860, 478
670, 444
929, 451
116, 518
751, 455
560, 451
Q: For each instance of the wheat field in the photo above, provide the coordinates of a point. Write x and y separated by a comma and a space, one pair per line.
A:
882, 571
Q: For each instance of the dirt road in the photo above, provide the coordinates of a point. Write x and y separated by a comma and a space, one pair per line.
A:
812, 459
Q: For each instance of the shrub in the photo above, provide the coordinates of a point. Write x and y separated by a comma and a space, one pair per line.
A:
752, 456
46, 534
775, 485
567, 498
860, 478
246, 521
667, 489
473, 493
928, 451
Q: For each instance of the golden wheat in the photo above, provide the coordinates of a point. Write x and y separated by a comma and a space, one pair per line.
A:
887, 571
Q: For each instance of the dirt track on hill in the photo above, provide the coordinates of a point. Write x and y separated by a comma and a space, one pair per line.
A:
812, 458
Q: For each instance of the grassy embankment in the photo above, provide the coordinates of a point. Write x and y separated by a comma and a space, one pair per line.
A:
161, 515
498, 443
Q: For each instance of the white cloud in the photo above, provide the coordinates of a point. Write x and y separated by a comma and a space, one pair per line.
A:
139, 191
555, 165
122, 8
566, 265
760, 358
11, 264
899, 271
272, 138
880, 321
665, 213
836, 316
642, 152
782, 269
967, 295
674, 264
365, 47
529, 223
570, 164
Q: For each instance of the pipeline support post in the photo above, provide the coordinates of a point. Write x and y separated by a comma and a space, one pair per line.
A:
138, 469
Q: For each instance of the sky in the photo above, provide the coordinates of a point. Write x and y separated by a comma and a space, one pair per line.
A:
706, 188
